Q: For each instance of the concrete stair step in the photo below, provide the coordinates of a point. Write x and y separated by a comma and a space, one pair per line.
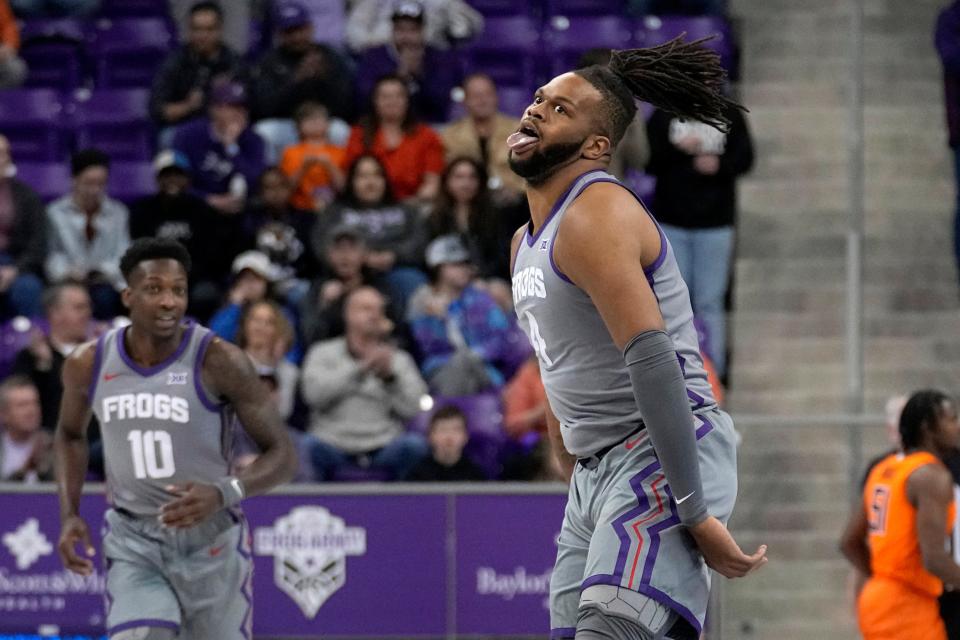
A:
787, 616
787, 546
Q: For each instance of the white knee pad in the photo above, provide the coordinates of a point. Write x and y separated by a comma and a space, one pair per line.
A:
654, 618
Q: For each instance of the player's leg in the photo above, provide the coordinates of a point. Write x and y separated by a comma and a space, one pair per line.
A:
139, 599
643, 568
213, 579
572, 547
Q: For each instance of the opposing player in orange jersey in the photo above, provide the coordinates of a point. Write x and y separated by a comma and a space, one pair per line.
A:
899, 537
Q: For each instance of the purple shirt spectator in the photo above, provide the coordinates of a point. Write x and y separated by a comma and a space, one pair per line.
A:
428, 72
225, 155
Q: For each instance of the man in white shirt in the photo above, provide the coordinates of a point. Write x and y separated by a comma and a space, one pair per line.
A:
88, 232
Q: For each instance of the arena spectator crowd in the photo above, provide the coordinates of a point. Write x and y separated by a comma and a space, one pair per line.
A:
349, 208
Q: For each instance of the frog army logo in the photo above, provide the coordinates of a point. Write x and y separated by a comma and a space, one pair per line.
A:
310, 546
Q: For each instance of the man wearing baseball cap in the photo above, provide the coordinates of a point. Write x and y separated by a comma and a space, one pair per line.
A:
295, 71
429, 73
176, 214
462, 334
224, 153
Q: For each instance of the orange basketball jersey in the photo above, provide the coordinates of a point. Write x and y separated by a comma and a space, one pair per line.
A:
894, 546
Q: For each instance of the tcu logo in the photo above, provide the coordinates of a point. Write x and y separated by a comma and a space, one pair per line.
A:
310, 548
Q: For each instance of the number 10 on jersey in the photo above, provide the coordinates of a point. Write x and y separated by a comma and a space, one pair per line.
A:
152, 453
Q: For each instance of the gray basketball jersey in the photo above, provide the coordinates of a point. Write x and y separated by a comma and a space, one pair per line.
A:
583, 371
159, 425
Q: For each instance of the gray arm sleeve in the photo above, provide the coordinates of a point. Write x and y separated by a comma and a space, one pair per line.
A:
661, 396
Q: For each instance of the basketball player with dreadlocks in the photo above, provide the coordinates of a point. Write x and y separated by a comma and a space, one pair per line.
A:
651, 457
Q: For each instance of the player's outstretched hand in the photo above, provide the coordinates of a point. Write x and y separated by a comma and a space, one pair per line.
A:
193, 503
75, 530
721, 551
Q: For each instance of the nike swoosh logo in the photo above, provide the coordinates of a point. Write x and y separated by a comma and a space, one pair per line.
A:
216, 551
683, 499
110, 376
632, 443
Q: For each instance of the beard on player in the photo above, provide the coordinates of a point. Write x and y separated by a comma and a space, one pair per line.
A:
545, 160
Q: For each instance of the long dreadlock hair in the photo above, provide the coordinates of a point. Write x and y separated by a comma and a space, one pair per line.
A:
682, 78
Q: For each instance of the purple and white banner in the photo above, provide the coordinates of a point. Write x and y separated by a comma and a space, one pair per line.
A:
355, 563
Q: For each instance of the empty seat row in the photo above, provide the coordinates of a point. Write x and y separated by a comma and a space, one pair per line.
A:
125, 52
519, 51
44, 125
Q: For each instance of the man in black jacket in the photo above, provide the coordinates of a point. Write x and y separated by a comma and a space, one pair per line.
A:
23, 241
182, 86
295, 71
697, 167
174, 213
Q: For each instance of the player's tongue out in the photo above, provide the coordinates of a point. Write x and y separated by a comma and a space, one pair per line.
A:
520, 141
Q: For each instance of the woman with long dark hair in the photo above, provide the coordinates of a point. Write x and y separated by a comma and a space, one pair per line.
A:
411, 151
394, 232
464, 207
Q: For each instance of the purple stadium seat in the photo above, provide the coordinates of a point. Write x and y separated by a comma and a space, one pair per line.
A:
585, 7
654, 30
484, 413
133, 8
490, 8
358, 474
508, 50
49, 179
131, 180
127, 52
53, 51
569, 38
116, 121
14, 336
31, 120
515, 100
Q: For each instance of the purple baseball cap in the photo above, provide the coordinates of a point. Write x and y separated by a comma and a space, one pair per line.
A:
228, 93
290, 15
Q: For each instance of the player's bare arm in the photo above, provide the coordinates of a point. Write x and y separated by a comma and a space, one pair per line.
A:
229, 373
853, 543
930, 490
71, 451
564, 458
602, 245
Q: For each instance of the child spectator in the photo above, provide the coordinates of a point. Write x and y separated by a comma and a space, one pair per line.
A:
447, 436
313, 165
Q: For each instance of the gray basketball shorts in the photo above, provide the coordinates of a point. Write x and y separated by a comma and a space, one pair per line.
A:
621, 528
194, 581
